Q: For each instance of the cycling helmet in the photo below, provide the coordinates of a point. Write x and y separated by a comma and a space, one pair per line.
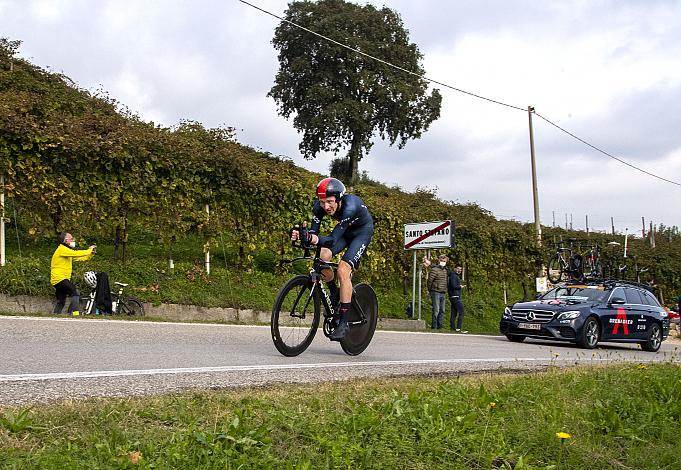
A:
330, 187
91, 279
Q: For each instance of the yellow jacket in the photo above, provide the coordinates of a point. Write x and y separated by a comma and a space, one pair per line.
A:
62, 262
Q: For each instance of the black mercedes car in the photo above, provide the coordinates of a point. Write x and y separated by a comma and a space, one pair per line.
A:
613, 311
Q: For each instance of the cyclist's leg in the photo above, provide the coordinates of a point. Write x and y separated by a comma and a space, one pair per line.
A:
350, 261
357, 243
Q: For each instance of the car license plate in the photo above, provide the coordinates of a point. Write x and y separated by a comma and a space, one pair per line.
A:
529, 326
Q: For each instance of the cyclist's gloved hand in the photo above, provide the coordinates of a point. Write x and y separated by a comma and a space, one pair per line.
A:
305, 237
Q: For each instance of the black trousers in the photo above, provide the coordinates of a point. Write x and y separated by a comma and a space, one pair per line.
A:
456, 318
65, 289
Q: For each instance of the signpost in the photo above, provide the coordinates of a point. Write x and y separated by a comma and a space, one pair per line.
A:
424, 236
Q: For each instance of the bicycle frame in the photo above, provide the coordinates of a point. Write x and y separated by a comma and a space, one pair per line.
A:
318, 266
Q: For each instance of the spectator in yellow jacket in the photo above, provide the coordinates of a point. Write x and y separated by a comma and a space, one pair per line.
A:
61, 268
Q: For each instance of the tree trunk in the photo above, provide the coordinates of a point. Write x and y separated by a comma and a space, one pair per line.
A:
354, 155
117, 241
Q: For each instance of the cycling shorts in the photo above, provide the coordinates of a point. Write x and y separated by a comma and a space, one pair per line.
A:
356, 242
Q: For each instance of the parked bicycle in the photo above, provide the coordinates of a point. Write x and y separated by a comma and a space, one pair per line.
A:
296, 311
592, 263
565, 264
120, 303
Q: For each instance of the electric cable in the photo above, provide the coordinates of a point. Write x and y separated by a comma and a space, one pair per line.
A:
424, 77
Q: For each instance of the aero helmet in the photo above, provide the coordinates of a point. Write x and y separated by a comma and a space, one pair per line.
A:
91, 279
330, 187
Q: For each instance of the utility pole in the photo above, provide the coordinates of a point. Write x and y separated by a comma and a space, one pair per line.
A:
535, 193
587, 225
612, 222
643, 230
2, 220
554, 219
206, 246
570, 221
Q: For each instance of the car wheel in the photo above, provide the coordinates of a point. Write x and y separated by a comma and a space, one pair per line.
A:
590, 334
654, 339
515, 338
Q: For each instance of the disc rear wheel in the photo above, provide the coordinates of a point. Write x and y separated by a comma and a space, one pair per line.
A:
360, 334
295, 316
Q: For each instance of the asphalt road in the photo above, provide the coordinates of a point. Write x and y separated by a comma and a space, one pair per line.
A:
52, 359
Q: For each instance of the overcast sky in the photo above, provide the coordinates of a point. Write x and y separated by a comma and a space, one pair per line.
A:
607, 71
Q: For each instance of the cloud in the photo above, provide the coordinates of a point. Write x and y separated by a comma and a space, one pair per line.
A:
607, 71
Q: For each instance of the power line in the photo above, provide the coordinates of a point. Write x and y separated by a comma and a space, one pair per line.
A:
424, 77
606, 153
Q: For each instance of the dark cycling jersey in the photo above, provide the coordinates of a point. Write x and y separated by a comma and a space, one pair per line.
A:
354, 229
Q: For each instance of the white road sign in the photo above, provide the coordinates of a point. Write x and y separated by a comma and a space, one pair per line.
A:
426, 235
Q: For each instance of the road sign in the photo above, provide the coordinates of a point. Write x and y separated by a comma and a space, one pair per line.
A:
425, 235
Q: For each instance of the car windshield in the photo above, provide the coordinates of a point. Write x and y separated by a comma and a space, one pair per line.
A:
575, 294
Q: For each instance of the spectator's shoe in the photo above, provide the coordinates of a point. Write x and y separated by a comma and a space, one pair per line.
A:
341, 330
458, 330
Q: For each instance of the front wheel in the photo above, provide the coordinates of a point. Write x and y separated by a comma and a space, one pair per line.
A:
131, 307
358, 338
295, 316
590, 334
555, 270
654, 339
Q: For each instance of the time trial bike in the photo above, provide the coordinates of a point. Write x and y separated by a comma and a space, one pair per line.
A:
301, 301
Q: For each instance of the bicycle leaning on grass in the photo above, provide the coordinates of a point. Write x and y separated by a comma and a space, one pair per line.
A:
297, 310
120, 303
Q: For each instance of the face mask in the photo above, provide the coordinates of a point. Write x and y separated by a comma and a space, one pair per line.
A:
72, 244
443, 263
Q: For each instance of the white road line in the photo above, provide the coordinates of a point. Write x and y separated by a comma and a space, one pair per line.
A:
267, 367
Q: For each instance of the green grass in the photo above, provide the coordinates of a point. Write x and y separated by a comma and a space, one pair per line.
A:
623, 416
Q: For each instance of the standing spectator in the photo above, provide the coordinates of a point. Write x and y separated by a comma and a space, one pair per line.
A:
454, 287
437, 286
60, 272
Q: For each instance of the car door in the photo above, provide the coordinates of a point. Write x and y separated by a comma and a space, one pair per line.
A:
653, 310
637, 313
616, 321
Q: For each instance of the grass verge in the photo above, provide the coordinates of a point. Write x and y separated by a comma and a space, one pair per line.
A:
623, 416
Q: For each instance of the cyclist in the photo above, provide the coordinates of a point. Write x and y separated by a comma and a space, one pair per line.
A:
60, 271
354, 231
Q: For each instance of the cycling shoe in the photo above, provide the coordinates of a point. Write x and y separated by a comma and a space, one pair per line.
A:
340, 331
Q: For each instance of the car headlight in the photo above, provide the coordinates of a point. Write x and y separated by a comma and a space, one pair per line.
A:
570, 315
507, 313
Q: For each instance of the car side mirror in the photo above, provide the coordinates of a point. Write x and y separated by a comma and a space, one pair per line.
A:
617, 301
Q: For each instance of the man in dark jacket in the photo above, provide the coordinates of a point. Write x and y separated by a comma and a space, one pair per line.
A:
454, 287
437, 286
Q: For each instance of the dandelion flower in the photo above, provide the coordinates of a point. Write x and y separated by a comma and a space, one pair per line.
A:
492, 404
563, 435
